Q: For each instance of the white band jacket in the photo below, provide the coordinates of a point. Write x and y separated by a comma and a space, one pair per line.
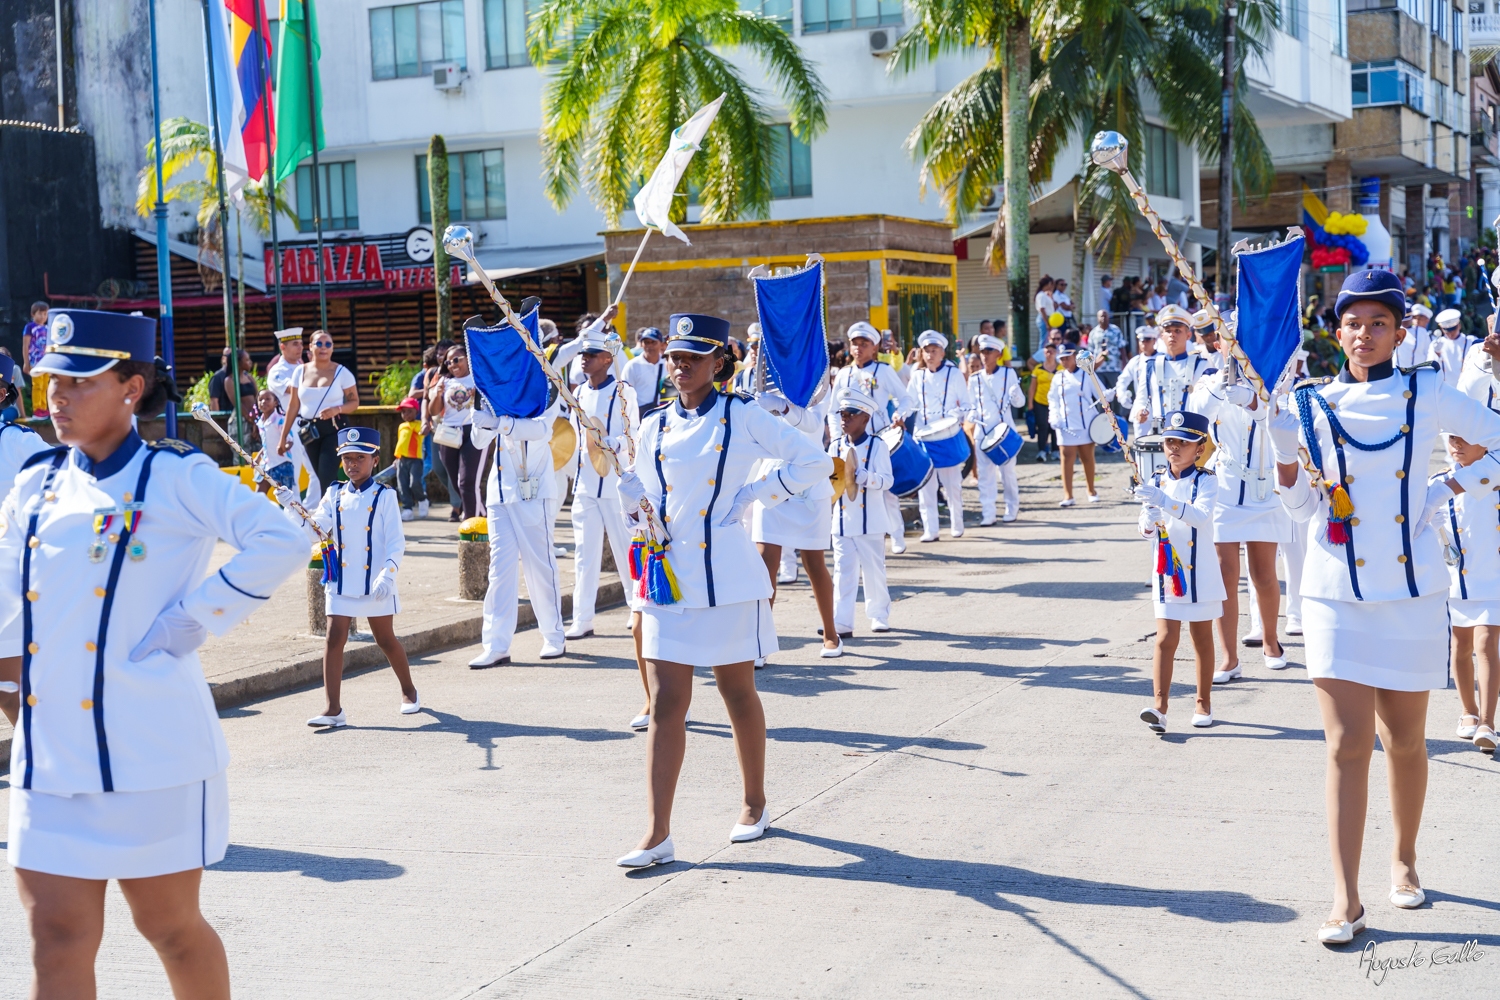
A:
1189, 527
866, 513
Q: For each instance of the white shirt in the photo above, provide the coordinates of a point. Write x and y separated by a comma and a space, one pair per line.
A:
1472, 521
650, 382
156, 722
315, 399
1388, 560
1190, 530
1415, 348
279, 375
1045, 306
613, 405
458, 401
693, 464
1070, 400
1244, 461
521, 475
1131, 377
993, 394
881, 383
1450, 354
366, 526
865, 514
937, 394
1167, 383
1477, 380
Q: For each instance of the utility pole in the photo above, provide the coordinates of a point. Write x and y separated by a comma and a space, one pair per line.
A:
1226, 155
163, 252
57, 29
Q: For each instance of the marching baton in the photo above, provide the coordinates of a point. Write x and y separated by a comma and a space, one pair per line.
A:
1110, 150
458, 242
201, 412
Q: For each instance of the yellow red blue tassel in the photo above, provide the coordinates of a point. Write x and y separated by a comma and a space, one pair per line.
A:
333, 569
1167, 564
1340, 511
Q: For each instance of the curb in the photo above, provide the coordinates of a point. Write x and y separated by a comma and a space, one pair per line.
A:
365, 657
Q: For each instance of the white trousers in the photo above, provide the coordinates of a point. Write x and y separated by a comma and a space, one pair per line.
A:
530, 546
895, 526
298, 455
788, 566
951, 480
1295, 555
594, 519
853, 556
986, 473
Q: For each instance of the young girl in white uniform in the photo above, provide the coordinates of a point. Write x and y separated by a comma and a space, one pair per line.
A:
1474, 594
364, 519
1185, 583
859, 522
694, 459
1374, 588
994, 390
938, 390
118, 764
1072, 403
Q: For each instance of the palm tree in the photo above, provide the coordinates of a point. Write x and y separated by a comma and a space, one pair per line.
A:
627, 72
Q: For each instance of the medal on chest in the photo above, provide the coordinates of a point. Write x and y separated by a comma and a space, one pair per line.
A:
129, 515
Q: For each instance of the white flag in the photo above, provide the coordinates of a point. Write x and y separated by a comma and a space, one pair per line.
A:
653, 203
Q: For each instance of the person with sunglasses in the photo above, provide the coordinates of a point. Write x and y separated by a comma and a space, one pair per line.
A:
280, 372
321, 392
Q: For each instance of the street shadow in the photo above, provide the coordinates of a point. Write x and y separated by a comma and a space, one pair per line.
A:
486, 733
1435, 896
1222, 729
326, 868
1069, 590
868, 742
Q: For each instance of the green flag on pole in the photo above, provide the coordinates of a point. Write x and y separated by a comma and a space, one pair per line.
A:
294, 108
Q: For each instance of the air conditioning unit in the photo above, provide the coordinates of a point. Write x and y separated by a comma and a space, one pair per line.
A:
883, 40
447, 76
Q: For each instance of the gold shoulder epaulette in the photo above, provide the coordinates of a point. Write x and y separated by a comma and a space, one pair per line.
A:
1309, 383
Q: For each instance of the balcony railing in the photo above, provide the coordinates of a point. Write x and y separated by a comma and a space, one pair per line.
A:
1484, 29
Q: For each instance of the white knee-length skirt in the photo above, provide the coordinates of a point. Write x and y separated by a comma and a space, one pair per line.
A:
112, 835
1252, 524
799, 523
1073, 438
708, 637
360, 607
1391, 645
1468, 613
1189, 611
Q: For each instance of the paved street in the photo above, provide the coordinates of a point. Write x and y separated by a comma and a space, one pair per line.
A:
966, 806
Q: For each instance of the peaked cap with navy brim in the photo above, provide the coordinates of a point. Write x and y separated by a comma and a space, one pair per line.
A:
87, 342
696, 333
359, 440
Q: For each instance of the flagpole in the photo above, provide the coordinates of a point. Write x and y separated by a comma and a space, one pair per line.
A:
631, 270
316, 126
264, 62
163, 253
218, 144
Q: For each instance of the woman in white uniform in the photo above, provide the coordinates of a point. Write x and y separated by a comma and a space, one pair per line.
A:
695, 459
1072, 403
1247, 510
118, 764
1474, 596
940, 395
1374, 587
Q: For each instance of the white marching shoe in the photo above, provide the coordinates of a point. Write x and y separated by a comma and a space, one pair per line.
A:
488, 660
328, 721
1255, 636
898, 544
1341, 931
1201, 721
1275, 662
411, 707
876, 625
742, 833
829, 654
1156, 720
1466, 731
1293, 625
1225, 676
642, 721
643, 857
579, 630
552, 651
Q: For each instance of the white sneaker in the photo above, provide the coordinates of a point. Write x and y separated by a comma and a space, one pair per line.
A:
578, 630
1203, 721
661, 854
552, 651
928, 538
1066, 502
411, 707
1093, 498
328, 721
1255, 637
898, 544
876, 625
423, 506
1008, 517
1225, 676
741, 832
407, 514
1293, 625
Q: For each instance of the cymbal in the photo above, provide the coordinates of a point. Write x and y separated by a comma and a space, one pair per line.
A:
841, 478
851, 466
598, 458
564, 442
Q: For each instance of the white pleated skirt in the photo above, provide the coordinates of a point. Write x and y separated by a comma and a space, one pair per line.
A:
360, 607
799, 523
708, 637
112, 835
1467, 614
1391, 645
1073, 438
1252, 524
1189, 611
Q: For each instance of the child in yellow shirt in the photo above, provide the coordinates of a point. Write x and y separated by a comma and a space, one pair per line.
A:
410, 488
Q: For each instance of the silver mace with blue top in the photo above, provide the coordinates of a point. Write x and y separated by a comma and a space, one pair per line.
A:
458, 242
1111, 150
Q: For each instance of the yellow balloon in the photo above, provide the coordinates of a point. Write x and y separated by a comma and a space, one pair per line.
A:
1055, 320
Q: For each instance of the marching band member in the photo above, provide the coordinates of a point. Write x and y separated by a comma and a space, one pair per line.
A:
1416, 346
118, 763
647, 372
1206, 338
859, 523
1178, 504
1132, 378
939, 393
279, 375
882, 383
1247, 509
697, 455
596, 504
994, 390
1477, 380
1168, 376
1072, 402
17, 444
1450, 348
1374, 586
518, 493
1474, 594
360, 510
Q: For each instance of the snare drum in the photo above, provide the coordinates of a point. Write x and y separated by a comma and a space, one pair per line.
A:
1102, 428
1150, 456
909, 462
945, 442
1001, 444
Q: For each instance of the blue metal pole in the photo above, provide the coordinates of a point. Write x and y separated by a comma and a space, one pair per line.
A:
163, 254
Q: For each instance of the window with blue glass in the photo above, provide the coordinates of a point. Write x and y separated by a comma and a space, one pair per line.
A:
1388, 82
505, 34
791, 164
476, 186
838, 15
410, 39
338, 196
779, 11
1162, 162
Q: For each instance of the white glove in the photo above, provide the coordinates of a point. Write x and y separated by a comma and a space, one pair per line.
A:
285, 496
384, 584
773, 403
742, 501
1154, 514
1283, 427
1438, 495
631, 488
1109, 395
485, 421
174, 631
1240, 394
1153, 496
862, 475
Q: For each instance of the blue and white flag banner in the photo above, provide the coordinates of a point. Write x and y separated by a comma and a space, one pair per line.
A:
793, 335
506, 375
1268, 324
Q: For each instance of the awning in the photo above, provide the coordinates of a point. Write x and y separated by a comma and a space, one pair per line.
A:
507, 262
254, 271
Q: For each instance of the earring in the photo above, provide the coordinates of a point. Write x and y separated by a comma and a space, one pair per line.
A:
127, 400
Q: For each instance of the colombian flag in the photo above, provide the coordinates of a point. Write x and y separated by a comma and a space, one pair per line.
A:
250, 56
